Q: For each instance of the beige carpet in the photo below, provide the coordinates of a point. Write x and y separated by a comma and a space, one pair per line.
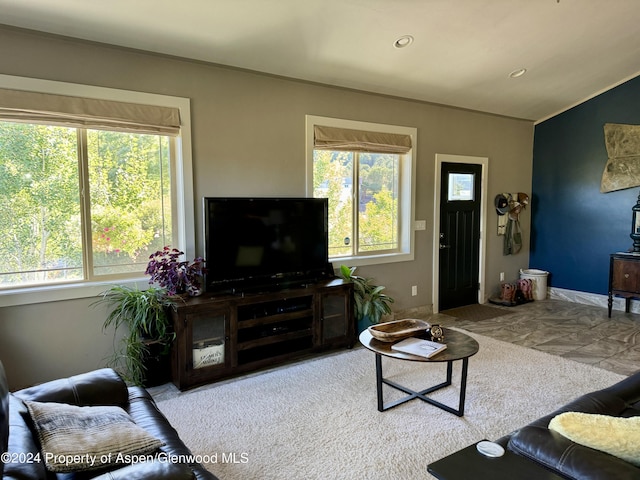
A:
318, 419
475, 312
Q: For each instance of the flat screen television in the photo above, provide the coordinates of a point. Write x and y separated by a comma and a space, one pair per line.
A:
265, 243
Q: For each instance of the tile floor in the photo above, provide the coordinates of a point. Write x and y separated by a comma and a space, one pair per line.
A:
576, 331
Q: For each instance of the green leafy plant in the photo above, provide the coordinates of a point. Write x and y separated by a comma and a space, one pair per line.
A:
143, 313
369, 301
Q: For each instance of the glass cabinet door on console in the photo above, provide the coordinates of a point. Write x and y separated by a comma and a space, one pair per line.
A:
202, 346
336, 321
208, 339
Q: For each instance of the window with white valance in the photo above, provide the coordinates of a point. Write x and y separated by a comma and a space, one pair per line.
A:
92, 184
366, 172
93, 113
334, 138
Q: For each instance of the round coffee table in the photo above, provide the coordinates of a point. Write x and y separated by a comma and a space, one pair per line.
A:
459, 347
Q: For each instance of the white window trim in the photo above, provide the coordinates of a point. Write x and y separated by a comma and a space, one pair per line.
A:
183, 182
407, 180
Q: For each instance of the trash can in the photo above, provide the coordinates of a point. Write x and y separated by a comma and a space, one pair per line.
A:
539, 280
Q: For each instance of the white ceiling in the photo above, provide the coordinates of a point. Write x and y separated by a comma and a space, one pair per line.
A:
462, 53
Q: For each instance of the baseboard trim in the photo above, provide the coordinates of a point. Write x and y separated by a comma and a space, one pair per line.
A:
422, 311
593, 299
575, 296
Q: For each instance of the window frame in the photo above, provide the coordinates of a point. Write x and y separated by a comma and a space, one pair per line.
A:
406, 180
182, 182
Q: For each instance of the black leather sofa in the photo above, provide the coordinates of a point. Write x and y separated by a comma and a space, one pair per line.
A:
572, 460
19, 442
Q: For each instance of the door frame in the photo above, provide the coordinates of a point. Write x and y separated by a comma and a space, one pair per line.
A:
435, 281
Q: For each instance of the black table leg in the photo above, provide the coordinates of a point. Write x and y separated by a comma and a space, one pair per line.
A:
380, 381
463, 386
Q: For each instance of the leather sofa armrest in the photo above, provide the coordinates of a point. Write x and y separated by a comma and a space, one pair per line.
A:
145, 412
559, 454
98, 387
22, 444
627, 389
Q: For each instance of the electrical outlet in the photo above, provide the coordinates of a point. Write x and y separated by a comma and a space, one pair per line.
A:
502, 276
414, 290
420, 225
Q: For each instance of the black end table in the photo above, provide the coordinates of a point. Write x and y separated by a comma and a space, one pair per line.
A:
469, 463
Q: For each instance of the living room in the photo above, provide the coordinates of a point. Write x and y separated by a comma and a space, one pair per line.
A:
270, 163
248, 139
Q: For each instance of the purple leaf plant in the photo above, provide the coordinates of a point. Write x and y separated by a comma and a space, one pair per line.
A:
176, 276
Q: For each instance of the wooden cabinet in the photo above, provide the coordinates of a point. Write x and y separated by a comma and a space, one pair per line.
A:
624, 277
222, 335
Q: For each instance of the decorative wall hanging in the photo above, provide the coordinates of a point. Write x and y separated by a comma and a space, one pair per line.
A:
622, 169
508, 207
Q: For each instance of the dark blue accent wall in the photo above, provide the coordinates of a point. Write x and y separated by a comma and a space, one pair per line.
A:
574, 226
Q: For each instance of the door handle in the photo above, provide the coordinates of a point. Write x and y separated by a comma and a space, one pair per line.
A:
442, 247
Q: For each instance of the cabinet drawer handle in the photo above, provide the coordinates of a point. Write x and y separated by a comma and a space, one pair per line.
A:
626, 275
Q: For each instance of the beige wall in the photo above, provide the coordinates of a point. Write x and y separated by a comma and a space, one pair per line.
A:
248, 139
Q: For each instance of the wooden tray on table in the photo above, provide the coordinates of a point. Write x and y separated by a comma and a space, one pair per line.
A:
398, 329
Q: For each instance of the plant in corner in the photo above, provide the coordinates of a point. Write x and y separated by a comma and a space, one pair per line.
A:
369, 301
144, 314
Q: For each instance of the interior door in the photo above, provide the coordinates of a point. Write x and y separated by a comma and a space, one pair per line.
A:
460, 187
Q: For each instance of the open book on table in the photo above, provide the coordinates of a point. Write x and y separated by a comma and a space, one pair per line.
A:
420, 347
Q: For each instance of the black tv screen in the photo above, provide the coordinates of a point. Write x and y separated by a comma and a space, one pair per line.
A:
264, 241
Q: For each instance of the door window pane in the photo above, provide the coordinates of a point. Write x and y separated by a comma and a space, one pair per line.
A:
460, 186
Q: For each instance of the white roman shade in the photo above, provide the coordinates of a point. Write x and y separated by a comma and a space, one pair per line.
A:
78, 112
332, 138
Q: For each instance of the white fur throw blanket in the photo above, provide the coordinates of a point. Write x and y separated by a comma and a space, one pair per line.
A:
613, 435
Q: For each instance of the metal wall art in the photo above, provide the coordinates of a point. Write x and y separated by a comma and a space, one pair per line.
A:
622, 169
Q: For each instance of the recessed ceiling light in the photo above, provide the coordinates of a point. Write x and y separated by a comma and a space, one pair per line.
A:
403, 41
518, 73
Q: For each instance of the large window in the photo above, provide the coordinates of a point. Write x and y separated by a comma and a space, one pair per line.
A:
369, 224
365, 170
84, 202
115, 193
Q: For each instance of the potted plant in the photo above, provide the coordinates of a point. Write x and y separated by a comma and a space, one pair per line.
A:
141, 356
369, 301
177, 277
144, 346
